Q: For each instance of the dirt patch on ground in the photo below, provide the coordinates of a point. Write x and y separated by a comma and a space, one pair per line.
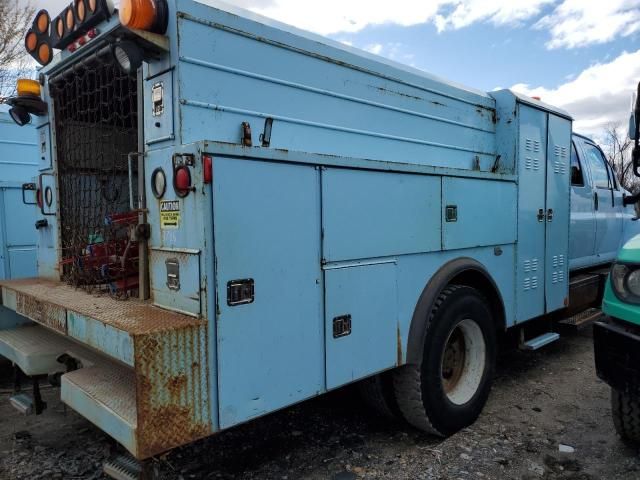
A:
540, 401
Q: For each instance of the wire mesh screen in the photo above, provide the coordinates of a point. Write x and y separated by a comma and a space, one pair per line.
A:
96, 130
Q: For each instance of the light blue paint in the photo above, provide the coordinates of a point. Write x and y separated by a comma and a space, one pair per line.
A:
270, 352
490, 205
558, 213
373, 214
17, 231
344, 213
104, 338
532, 165
368, 293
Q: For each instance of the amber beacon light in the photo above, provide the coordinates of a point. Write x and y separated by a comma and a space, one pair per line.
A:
149, 15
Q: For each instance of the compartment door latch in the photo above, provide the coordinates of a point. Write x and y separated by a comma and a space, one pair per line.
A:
342, 326
173, 274
240, 292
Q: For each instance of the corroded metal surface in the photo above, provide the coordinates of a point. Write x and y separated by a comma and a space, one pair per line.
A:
162, 402
111, 385
45, 313
172, 389
43, 299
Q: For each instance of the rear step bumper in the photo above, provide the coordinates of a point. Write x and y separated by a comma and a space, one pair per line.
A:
105, 395
102, 390
144, 378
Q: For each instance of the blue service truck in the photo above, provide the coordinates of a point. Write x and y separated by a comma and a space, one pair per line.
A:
18, 164
238, 216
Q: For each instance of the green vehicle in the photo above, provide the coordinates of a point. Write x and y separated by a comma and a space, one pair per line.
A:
617, 340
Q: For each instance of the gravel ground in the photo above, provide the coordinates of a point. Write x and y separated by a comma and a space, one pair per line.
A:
540, 401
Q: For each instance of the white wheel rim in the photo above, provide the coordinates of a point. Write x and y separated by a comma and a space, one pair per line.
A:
463, 362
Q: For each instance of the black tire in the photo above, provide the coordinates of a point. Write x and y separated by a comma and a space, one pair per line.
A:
625, 409
377, 393
420, 390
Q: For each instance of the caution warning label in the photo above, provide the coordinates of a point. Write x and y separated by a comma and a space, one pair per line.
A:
170, 214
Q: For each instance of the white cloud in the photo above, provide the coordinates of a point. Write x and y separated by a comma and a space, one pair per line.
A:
572, 23
375, 48
462, 13
333, 16
596, 97
577, 23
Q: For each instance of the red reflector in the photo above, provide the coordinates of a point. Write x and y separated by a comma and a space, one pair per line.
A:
182, 180
39, 198
82, 41
93, 33
207, 168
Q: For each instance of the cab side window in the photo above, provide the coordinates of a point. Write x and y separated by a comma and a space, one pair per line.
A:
577, 179
599, 171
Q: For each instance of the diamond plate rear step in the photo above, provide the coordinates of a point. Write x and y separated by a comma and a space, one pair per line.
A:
149, 388
36, 350
581, 320
105, 394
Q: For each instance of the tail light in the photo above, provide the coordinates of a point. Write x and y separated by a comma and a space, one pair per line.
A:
207, 169
182, 181
149, 15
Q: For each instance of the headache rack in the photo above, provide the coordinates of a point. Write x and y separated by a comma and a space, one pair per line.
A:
96, 129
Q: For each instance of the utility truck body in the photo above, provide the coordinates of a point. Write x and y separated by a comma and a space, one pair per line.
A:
257, 215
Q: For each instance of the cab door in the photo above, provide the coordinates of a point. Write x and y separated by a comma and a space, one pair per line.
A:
582, 235
607, 203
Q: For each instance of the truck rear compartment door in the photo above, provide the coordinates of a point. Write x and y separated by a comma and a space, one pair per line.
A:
270, 344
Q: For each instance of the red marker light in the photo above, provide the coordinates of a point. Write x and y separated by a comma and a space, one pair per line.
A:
182, 181
207, 168
93, 33
82, 41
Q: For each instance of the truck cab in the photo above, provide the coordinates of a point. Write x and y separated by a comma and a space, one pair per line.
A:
600, 221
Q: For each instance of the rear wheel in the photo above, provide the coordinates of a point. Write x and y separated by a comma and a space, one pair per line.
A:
625, 408
377, 393
449, 389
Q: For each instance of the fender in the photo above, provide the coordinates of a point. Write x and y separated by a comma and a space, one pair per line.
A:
463, 271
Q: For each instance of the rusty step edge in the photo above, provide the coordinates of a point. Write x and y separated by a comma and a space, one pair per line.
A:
106, 396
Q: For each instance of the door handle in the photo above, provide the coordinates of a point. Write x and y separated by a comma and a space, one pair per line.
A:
541, 215
595, 200
550, 215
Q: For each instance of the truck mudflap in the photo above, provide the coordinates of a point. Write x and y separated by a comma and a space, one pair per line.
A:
143, 376
617, 354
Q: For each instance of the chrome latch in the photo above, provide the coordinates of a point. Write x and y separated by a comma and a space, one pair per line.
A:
240, 292
173, 274
550, 215
541, 215
157, 98
342, 326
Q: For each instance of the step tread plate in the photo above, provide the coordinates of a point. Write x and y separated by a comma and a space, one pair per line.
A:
541, 341
33, 296
105, 394
35, 349
584, 318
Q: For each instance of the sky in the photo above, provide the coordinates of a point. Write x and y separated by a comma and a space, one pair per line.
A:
581, 55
